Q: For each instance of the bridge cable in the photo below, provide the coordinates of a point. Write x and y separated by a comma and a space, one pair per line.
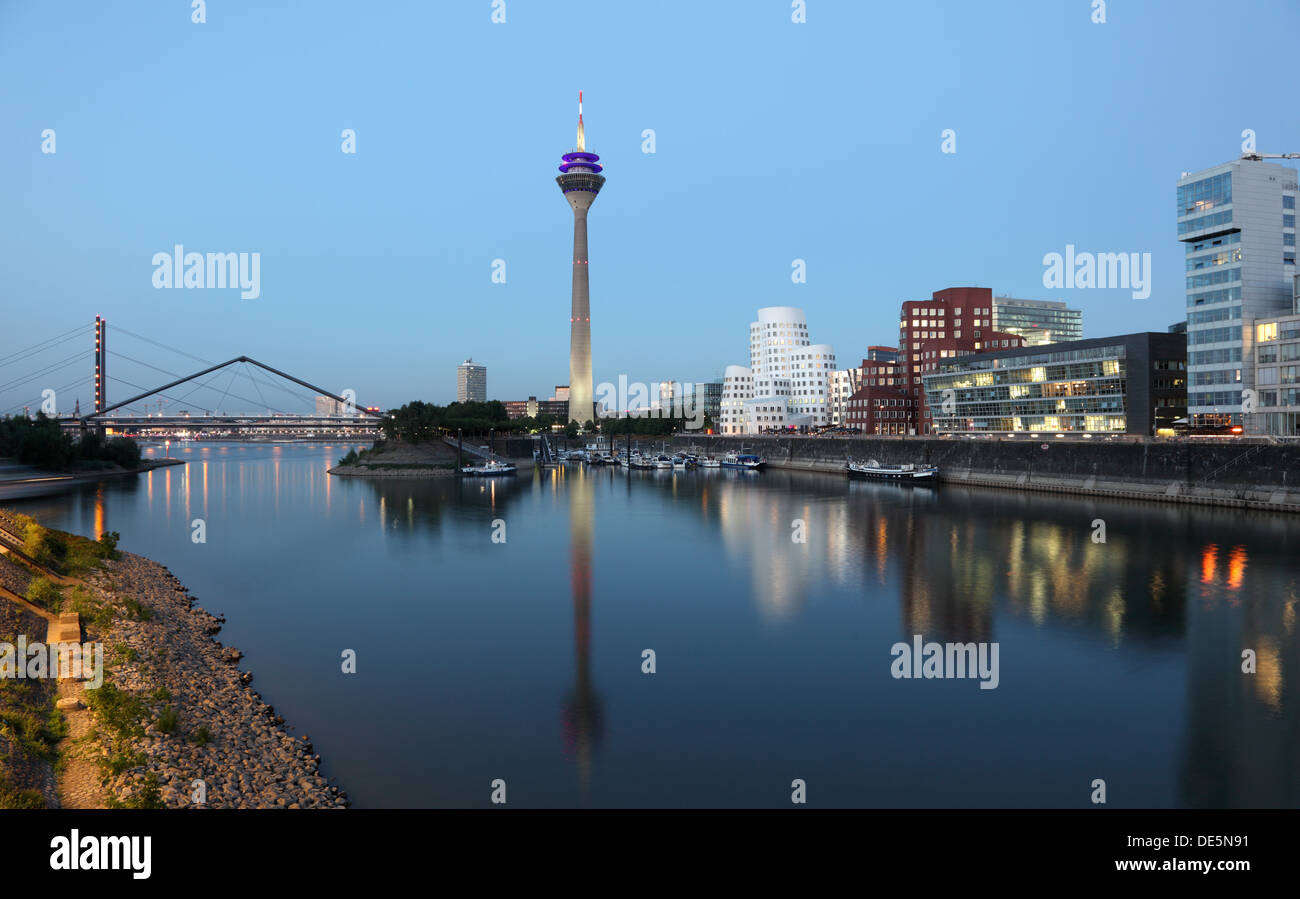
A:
178, 375
248, 375
168, 395
41, 347
56, 366
199, 359
36, 400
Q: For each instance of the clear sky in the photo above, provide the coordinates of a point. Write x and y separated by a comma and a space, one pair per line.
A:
775, 141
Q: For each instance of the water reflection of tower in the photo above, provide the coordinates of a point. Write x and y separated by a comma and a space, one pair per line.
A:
582, 714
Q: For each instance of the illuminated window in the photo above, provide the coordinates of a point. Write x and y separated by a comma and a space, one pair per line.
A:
1266, 331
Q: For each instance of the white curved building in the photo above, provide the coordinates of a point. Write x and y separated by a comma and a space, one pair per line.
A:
737, 386
787, 378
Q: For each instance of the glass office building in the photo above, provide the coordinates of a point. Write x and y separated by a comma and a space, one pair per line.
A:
1277, 373
1037, 321
1130, 384
1237, 222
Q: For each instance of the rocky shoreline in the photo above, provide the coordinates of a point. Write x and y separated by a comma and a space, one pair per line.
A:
199, 720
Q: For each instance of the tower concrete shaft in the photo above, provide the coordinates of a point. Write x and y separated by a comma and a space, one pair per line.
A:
581, 182
581, 397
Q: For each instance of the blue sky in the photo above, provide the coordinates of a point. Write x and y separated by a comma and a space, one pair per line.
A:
775, 141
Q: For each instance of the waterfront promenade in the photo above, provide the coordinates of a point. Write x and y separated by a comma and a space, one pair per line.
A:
1240, 472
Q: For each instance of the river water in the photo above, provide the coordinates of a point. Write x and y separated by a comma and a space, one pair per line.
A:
521, 658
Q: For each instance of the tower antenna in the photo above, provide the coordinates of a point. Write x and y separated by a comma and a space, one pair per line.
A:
582, 143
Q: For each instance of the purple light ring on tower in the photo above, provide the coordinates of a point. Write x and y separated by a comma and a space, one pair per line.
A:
582, 161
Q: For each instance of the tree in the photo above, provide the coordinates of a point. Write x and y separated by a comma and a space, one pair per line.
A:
571, 429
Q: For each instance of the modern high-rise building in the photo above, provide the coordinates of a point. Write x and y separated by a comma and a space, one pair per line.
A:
1237, 222
1037, 321
787, 384
580, 179
471, 382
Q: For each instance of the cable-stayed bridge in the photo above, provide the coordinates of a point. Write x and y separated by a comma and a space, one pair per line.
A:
208, 404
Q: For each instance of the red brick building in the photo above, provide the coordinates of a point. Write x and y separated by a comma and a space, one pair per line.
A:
880, 410
955, 322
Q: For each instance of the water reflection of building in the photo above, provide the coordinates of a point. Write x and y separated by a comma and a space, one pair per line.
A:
756, 524
978, 556
1242, 746
582, 712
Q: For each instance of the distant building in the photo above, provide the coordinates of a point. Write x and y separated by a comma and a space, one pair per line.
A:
1237, 222
558, 408
1129, 384
788, 380
471, 382
561, 394
533, 407
327, 406
708, 397
1178, 328
1037, 321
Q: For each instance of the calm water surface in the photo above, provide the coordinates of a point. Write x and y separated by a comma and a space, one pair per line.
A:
522, 660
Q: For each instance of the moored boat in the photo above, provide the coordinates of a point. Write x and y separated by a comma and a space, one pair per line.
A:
746, 461
907, 472
490, 468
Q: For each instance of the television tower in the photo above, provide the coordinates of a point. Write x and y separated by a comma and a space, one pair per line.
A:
581, 181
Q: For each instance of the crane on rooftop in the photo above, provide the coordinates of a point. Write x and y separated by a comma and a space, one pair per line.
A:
1260, 157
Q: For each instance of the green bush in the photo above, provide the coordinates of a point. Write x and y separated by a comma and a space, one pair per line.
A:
166, 722
108, 540
136, 611
42, 593
43, 546
11, 798
117, 709
149, 796
122, 762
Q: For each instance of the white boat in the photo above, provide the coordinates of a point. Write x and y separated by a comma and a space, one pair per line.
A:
907, 472
490, 468
746, 461
664, 462
709, 462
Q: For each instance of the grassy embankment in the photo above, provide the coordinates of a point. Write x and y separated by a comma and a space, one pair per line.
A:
390, 455
31, 726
